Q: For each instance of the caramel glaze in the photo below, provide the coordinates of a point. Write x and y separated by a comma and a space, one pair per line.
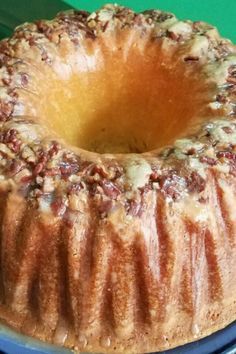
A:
116, 252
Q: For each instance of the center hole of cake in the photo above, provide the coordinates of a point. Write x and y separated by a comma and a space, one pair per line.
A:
130, 106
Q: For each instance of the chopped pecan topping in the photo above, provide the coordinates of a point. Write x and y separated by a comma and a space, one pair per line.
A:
134, 207
99, 170
209, 160
14, 167
10, 137
54, 149
227, 130
110, 189
38, 168
6, 110
68, 169
174, 36
170, 185
232, 75
195, 183
41, 167
226, 154
44, 28
191, 58
58, 206
24, 79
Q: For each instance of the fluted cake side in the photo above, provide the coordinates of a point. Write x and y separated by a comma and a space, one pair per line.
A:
121, 283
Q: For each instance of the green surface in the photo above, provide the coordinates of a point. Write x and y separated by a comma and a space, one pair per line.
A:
15, 12
221, 13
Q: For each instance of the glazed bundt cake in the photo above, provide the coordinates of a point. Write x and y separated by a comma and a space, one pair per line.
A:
118, 180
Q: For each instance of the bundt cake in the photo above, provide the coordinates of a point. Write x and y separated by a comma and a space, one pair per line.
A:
117, 180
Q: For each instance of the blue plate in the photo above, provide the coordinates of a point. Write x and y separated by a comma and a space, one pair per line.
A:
13, 343
222, 342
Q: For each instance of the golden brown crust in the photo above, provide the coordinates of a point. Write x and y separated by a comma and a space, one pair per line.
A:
43, 44
116, 253
137, 290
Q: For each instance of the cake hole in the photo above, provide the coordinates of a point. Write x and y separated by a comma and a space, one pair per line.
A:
127, 105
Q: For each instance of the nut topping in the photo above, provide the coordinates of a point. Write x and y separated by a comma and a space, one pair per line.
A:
48, 171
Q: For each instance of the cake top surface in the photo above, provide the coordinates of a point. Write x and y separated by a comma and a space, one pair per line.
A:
49, 171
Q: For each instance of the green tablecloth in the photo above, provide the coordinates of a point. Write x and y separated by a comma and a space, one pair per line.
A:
221, 13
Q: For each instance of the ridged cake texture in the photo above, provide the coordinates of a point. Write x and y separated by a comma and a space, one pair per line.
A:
115, 252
